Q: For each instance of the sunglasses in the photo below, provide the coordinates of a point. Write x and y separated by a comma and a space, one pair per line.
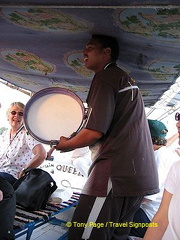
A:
177, 116
19, 113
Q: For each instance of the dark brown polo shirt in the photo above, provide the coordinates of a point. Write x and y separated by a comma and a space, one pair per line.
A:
125, 152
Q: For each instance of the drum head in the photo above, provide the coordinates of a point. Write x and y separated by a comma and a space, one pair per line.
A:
52, 113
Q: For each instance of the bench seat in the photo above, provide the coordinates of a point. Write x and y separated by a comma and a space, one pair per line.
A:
26, 221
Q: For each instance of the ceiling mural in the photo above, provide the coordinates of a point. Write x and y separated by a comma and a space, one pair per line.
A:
155, 23
46, 20
27, 61
164, 71
41, 43
25, 82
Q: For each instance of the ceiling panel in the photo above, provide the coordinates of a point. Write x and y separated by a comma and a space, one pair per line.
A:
41, 43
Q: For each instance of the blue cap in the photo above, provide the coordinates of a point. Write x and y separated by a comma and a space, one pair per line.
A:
157, 128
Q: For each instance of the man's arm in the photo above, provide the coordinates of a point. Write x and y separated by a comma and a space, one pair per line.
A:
86, 137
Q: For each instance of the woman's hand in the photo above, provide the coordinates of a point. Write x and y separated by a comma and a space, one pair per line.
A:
21, 173
49, 153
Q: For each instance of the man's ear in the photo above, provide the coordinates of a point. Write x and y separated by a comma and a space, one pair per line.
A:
107, 51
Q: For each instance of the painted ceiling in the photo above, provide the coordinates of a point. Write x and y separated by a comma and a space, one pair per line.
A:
41, 42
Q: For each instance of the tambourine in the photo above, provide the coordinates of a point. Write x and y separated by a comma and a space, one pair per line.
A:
54, 112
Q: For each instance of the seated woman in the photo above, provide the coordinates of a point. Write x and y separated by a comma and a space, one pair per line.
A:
18, 150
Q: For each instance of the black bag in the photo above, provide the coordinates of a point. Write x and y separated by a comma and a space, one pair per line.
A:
34, 189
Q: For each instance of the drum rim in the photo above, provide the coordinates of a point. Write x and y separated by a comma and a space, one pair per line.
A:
44, 92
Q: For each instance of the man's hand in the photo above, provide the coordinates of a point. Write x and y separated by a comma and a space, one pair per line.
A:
62, 145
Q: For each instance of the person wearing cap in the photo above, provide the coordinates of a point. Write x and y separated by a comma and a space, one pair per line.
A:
167, 217
165, 157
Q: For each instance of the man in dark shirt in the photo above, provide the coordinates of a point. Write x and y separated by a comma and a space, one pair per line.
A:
123, 168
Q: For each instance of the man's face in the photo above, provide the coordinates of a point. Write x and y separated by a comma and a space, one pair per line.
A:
94, 56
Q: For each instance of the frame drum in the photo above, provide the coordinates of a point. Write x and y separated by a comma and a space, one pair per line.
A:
53, 112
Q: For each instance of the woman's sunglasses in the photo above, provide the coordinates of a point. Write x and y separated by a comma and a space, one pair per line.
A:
19, 113
177, 116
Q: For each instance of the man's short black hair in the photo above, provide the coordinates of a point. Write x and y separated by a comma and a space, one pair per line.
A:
108, 41
159, 141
